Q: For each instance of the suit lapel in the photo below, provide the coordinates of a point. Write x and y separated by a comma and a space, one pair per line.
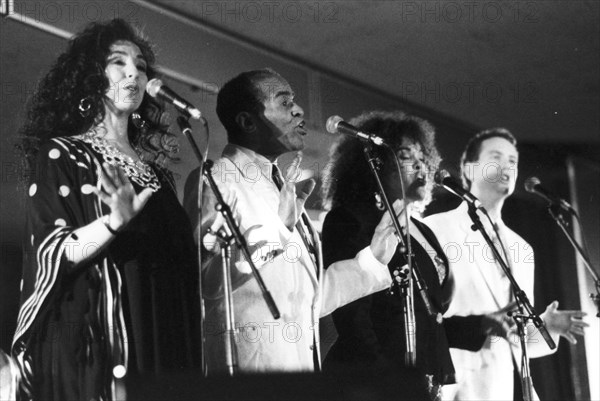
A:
486, 271
239, 158
313, 271
432, 244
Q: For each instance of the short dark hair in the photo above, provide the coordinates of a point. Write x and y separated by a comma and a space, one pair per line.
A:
473, 148
348, 179
240, 94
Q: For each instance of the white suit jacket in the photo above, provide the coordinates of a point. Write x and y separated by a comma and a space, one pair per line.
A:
480, 288
303, 291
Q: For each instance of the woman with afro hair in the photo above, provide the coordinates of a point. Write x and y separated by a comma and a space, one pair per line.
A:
372, 330
109, 277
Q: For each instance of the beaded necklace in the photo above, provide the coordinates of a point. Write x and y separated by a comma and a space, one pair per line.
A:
137, 171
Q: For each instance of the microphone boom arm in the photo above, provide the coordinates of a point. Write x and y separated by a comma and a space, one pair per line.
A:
554, 211
520, 295
225, 210
525, 310
410, 333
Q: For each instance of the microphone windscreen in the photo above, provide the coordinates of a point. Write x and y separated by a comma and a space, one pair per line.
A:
530, 184
332, 122
153, 86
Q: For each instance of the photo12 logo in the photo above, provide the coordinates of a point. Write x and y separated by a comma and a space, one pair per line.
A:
70, 11
454, 12
270, 11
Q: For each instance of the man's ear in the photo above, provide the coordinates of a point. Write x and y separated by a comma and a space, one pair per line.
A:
468, 172
246, 121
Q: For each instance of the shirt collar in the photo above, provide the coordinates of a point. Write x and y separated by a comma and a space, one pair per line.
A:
465, 208
244, 156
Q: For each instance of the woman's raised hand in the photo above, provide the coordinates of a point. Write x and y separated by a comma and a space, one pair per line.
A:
118, 193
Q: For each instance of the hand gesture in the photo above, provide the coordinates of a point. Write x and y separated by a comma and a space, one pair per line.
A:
118, 193
566, 323
385, 241
219, 231
219, 226
499, 323
292, 195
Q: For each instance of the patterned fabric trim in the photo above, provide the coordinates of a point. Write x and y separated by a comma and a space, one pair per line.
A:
48, 256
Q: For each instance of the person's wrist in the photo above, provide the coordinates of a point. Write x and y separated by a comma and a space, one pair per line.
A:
111, 226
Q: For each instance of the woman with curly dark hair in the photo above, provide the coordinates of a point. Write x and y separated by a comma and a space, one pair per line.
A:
109, 278
371, 330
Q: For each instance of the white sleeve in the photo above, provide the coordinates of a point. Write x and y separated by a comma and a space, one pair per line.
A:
348, 280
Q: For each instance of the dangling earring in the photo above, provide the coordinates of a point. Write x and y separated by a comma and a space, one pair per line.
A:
85, 104
379, 202
138, 121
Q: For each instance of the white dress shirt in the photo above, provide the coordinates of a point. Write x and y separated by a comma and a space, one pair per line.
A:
303, 291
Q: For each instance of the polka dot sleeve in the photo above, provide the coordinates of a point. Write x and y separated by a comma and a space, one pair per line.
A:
59, 200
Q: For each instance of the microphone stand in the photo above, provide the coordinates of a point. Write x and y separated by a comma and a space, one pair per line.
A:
231, 357
525, 311
554, 211
413, 271
236, 236
526, 381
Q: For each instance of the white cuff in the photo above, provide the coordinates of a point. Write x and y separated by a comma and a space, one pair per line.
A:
367, 261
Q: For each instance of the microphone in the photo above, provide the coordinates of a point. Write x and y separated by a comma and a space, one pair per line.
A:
336, 124
533, 185
444, 179
157, 89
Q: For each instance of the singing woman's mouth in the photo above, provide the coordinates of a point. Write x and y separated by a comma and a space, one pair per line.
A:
133, 88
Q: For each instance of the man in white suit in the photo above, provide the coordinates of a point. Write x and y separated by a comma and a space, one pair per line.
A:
489, 170
263, 122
